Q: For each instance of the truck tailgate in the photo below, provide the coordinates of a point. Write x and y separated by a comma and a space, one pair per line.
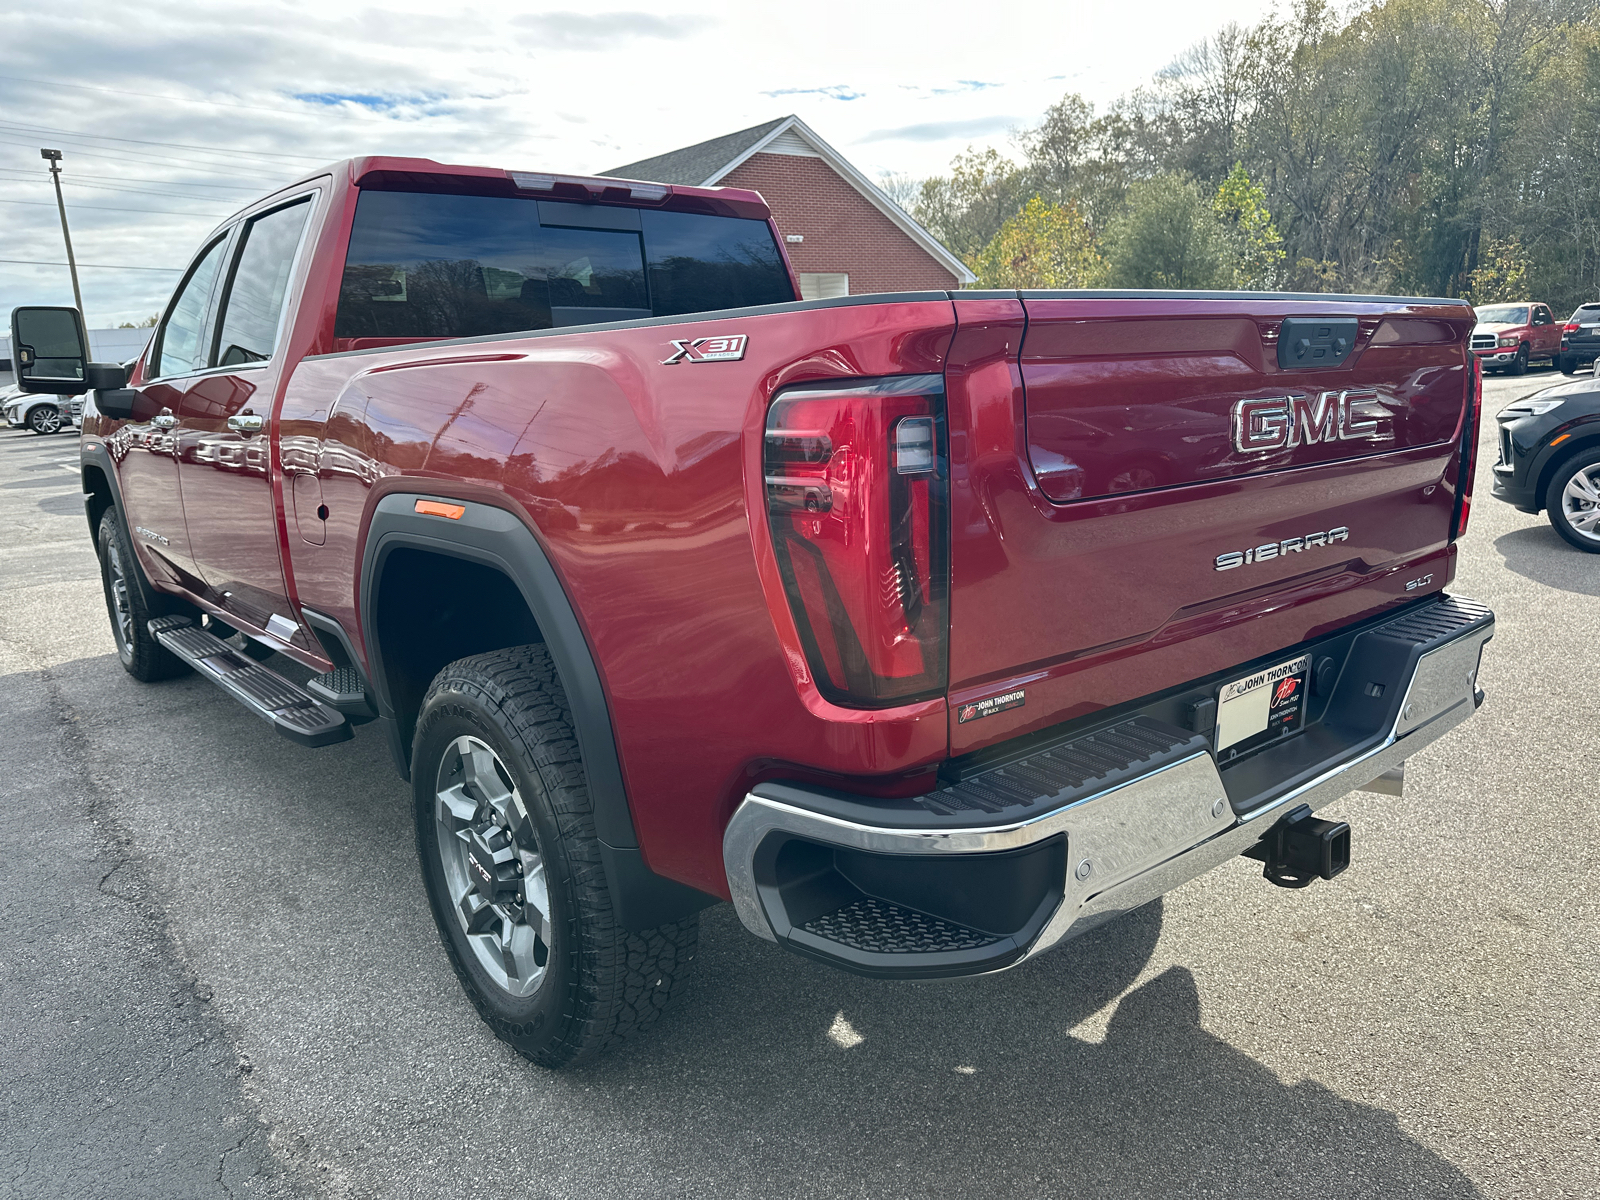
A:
1144, 496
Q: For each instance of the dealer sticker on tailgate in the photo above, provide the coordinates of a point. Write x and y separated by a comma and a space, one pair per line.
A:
1261, 707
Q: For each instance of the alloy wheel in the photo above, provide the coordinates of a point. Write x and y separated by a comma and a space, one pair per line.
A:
493, 870
122, 612
1580, 502
45, 419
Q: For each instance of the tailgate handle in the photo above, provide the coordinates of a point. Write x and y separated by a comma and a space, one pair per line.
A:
1315, 343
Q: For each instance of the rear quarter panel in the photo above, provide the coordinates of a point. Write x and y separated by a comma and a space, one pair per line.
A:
642, 481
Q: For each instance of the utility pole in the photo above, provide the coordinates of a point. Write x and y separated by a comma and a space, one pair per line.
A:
53, 157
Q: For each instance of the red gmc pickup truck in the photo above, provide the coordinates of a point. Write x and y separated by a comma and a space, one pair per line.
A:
1508, 336
929, 629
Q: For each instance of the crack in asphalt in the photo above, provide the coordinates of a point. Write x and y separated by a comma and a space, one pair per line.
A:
124, 880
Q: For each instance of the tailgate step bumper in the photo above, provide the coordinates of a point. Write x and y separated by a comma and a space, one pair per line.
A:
293, 712
1016, 858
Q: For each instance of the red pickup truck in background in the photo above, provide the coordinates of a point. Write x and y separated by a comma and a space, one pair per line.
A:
1510, 336
929, 629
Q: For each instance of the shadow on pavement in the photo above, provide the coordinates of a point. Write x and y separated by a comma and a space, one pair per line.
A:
978, 1088
1539, 553
770, 1076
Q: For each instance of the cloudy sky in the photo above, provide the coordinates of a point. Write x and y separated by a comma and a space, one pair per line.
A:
172, 113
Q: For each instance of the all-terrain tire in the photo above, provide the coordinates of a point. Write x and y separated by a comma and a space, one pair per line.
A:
140, 654
599, 982
1583, 470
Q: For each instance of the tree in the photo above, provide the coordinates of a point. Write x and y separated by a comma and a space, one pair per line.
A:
1502, 272
1168, 237
1206, 92
1060, 146
148, 323
1257, 245
965, 209
900, 187
1395, 146
1043, 246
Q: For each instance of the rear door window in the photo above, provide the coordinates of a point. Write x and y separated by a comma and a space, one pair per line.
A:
254, 302
180, 341
424, 265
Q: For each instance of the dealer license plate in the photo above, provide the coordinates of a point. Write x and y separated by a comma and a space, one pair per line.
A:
1262, 707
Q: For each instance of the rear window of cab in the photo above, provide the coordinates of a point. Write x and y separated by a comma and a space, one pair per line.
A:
425, 265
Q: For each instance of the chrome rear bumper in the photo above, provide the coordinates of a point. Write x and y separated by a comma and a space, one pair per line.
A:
1125, 845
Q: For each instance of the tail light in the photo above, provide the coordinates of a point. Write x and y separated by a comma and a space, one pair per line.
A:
857, 485
1469, 450
1570, 327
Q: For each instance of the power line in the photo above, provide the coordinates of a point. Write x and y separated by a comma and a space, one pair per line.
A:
165, 212
35, 262
114, 155
231, 187
106, 137
101, 187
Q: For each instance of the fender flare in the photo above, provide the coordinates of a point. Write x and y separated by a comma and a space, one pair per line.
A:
492, 536
93, 456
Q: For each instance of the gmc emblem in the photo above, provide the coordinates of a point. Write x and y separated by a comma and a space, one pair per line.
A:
724, 348
1284, 422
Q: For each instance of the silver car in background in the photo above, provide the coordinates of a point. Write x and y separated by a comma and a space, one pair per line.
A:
41, 414
44, 413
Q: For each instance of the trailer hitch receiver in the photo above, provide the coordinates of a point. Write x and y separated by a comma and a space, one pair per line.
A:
1302, 848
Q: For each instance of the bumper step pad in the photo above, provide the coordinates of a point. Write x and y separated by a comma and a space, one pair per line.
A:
939, 916
1436, 624
1060, 774
293, 712
878, 927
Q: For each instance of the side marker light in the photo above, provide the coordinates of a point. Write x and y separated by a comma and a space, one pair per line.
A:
433, 508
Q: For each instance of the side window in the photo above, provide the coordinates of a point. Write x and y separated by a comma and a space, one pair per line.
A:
700, 263
178, 343
430, 266
439, 265
1541, 316
254, 299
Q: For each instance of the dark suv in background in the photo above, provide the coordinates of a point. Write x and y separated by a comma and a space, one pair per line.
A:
1550, 459
1580, 339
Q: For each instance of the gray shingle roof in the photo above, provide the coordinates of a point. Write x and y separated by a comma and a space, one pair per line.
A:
693, 165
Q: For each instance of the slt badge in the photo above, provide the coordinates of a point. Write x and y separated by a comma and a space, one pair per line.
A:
717, 348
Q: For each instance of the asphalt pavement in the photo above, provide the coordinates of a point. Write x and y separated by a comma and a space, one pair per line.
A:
219, 975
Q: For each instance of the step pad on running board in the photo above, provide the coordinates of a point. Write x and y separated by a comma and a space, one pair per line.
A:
343, 689
294, 713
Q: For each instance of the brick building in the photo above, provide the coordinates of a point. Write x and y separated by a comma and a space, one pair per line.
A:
842, 233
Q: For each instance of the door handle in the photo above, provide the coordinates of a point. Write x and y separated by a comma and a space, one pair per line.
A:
164, 419
245, 423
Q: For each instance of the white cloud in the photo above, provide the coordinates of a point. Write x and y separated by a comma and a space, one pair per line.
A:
604, 31
943, 131
217, 104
